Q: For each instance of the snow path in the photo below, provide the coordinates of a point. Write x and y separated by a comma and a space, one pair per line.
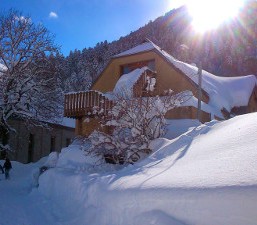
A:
21, 208
20, 204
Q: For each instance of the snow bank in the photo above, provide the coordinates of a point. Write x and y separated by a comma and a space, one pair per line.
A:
74, 158
176, 128
203, 177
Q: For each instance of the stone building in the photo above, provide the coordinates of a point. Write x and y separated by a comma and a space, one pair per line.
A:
29, 145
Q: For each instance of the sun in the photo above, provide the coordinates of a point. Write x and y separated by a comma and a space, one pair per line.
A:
208, 14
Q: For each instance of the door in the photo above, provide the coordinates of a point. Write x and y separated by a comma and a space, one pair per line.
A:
31, 148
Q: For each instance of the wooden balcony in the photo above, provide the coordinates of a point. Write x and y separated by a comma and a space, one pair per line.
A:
140, 87
89, 103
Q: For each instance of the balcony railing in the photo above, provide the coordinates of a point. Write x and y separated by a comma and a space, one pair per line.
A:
87, 103
140, 87
91, 103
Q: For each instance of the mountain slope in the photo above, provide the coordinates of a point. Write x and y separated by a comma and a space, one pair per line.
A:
229, 50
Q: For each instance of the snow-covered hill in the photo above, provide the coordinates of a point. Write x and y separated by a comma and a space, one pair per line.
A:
205, 176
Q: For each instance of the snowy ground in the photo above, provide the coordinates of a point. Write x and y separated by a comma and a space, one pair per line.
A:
20, 204
205, 176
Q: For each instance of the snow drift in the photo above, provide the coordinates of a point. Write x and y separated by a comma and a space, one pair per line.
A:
205, 176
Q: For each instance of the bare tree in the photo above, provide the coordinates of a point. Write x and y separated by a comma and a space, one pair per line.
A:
135, 123
28, 88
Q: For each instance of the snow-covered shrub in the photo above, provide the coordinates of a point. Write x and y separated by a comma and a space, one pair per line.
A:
135, 122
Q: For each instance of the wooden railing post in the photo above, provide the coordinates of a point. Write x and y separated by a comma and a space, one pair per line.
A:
81, 104
65, 105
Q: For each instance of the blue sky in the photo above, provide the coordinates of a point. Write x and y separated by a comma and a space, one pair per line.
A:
82, 23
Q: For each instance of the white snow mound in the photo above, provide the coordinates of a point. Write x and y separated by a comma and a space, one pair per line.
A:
205, 177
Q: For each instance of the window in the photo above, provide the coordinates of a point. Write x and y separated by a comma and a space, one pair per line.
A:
151, 65
52, 147
4, 136
125, 70
132, 66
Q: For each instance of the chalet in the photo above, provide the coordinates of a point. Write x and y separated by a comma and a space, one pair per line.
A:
147, 69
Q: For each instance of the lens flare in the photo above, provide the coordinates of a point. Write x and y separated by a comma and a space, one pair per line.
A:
208, 15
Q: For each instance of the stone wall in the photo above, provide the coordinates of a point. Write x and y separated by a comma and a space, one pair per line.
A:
29, 145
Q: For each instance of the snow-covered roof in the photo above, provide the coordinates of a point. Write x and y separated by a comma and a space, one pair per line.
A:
146, 46
68, 122
126, 82
224, 92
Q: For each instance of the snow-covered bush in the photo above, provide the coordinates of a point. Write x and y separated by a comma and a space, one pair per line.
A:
134, 122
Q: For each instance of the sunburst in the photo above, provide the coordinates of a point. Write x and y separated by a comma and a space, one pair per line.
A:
208, 14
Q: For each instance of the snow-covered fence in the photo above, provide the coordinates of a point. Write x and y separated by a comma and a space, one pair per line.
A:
86, 103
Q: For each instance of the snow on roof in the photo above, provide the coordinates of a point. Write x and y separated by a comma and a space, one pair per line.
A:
68, 122
147, 46
126, 82
224, 92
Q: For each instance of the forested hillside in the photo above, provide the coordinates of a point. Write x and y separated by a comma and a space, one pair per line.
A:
230, 50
